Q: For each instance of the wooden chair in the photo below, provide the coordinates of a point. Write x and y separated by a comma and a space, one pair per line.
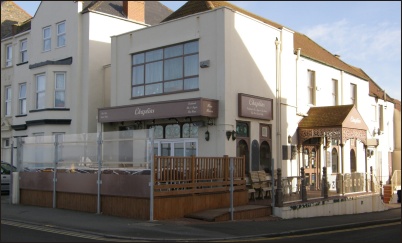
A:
251, 190
255, 182
265, 184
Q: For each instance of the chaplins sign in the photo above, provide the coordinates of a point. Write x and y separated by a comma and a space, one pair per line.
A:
255, 107
159, 110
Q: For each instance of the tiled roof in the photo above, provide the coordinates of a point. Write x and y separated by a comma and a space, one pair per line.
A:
326, 116
155, 12
12, 14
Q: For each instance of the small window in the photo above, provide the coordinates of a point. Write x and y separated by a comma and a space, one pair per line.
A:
9, 55
310, 87
23, 51
334, 92
353, 90
60, 88
8, 101
23, 99
6, 142
61, 34
47, 41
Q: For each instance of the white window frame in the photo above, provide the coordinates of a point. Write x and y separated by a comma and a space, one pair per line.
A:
24, 50
61, 34
334, 92
7, 95
22, 99
353, 94
9, 55
47, 38
59, 89
39, 92
6, 143
311, 87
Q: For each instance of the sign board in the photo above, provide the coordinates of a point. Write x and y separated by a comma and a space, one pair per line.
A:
255, 107
159, 110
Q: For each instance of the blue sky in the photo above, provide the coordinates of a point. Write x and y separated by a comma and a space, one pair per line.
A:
365, 34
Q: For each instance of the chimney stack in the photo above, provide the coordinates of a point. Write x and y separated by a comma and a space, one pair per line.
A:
134, 10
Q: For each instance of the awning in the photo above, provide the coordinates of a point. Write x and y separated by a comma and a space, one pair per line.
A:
339, 122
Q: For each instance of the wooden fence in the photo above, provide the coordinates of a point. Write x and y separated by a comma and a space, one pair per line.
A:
189, 175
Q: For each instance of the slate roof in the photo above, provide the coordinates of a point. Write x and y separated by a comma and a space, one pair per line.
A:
155, 12
309, 48
326, 116
12, 14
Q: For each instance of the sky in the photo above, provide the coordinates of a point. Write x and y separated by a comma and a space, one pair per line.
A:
366, 34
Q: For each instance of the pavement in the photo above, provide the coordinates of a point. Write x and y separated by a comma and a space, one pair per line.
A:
184, 229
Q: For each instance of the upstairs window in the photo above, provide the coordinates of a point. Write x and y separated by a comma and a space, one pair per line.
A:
9, 55
165, 70
61, 34
310, 87
60, 88
334, 92
353, 91
40, 91
23, 51
23, 99
47, 41
8, 101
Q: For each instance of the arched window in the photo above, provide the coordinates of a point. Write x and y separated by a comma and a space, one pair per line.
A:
265, 157
352, 161
334, 161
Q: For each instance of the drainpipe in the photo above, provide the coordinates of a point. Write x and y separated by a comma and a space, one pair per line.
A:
297, 78
278, 103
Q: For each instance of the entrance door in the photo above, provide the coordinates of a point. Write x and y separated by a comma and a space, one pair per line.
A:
265, 157
242, 149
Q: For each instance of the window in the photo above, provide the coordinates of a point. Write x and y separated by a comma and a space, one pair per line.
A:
381, 118
310, 87
353, 94
8, 101
61, 34
9, 55
334, 161
40, 91
352, 161
6, 142
23, 51
23, 99
165, 70
47, 42
59, 93
334, 92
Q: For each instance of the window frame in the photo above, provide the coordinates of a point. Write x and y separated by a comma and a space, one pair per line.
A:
142, 62
38, 92
61, 90
24, 51
7, 100
311, 87
61, 34
44, 39
22, 100
9, 55
334, 92
6, 143
353, 94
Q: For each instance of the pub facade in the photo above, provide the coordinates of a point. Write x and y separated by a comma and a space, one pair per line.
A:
221, 81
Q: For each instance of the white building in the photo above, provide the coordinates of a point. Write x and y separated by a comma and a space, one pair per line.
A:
217, 80
55, 76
